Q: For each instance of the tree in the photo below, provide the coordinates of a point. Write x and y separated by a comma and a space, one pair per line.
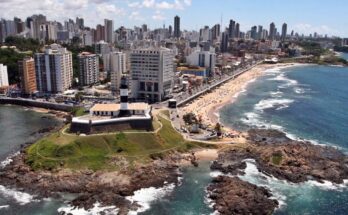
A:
189, 118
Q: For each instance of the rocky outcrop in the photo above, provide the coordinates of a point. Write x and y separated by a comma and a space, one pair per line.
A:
276, 155
107, 188
234, 196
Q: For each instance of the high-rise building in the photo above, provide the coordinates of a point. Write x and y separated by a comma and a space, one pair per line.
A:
170, 31
3, 76
215, 31
231, 29
237, 30
253, 33
284, 31
26, 68
177, 32
272, 31
224, 42
109, 31
80, 23
152, 72
54, 69
100, 33
88, 68
116, 65
259, 33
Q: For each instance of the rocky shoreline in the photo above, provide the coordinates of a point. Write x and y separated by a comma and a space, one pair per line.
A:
106, 188
273, 152
274, 155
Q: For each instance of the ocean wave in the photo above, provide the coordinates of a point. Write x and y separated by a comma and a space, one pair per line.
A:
20, 197
8, 160
276, 94
299, 90
283, 78
253, 119
4, 206
145, 196
97, 209
273, 103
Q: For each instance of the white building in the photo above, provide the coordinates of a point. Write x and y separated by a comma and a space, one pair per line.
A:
89, 68
3, 76
202, 58
151, 73
116, 62
54, 69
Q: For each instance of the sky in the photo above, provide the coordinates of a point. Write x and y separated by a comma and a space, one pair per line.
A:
302, 16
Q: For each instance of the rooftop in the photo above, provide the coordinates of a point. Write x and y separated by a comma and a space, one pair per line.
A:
117, 107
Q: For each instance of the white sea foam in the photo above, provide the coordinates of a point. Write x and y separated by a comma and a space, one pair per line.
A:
97, 209
273, 103
299, 90
8, 160
255, 120
4, 206
20, 197
276, 94
145, 196
215, 174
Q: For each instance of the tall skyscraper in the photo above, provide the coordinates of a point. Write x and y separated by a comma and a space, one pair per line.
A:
224, 42
80, 23
272, 31
3, 76
237, 31
177, 32
259, 32
152, 73
88, 68
54, 69
215, 31
109, 31
231, 29
27, 72
284, 31
100, 33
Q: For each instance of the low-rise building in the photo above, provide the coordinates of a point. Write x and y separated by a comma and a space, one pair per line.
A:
3, 76
197, 71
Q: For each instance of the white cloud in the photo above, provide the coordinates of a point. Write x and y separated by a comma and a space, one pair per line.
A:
135, 15
305, 28
158, 16
161, 5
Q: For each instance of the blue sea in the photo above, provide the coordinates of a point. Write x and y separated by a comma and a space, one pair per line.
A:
307, 102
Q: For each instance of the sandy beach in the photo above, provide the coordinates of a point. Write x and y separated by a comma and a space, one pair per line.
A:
208, 105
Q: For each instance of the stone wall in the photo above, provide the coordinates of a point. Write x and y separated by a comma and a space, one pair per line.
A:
145, 125
38, 104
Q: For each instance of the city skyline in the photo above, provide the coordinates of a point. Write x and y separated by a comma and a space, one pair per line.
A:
309, 16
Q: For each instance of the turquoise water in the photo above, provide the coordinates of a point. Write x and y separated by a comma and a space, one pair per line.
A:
189, 197
17, 127
344, 55
309, 102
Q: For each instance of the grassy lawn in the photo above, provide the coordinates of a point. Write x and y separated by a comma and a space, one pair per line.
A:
59, 150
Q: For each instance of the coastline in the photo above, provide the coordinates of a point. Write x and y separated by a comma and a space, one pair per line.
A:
207, 106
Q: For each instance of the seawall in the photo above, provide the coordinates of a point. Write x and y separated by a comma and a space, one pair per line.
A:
38, 104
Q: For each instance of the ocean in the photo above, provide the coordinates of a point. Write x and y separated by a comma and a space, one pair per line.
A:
307, 102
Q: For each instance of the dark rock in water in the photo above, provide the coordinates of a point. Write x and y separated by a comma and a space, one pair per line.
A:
234, 196
295, 161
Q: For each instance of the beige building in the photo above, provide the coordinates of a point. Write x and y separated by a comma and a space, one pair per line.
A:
28, 75
113, 110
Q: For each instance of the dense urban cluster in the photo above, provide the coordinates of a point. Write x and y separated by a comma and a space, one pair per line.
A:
69, 62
